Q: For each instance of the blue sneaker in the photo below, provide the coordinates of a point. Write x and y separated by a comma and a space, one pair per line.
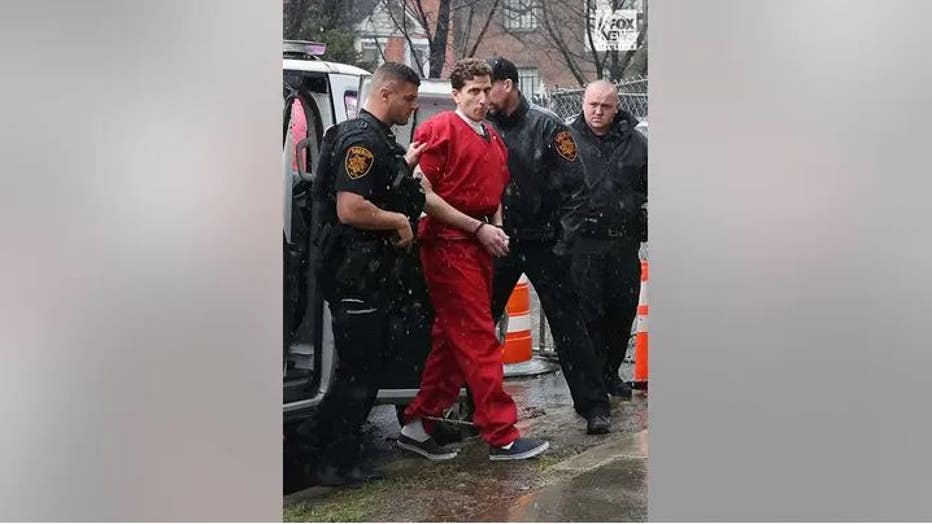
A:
523, 448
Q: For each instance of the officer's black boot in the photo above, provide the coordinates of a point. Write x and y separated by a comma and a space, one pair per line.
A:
617, 387
330, 475
599, 421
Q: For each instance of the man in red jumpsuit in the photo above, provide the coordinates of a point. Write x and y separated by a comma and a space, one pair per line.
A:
465, 169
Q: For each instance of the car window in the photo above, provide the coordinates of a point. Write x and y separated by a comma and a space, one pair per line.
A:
351, 103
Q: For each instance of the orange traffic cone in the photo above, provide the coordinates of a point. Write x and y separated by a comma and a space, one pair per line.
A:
517, 355
518, 342
640, 344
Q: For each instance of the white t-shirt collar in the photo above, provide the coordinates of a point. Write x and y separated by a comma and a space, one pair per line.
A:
476, 126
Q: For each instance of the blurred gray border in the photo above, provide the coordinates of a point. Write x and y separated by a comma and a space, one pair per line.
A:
141, 281
790, 283
140, 211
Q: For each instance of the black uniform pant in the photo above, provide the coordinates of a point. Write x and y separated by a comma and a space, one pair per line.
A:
370, 329
608, 275
552, 281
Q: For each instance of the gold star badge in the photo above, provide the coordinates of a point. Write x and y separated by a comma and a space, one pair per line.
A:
565, 145
358, 162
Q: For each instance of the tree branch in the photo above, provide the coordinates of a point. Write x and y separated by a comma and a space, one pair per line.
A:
557, 39
465, 4
466, 31
599, 65
425, 22
630, 54
402, 28
485, 27
438, 45
378, 46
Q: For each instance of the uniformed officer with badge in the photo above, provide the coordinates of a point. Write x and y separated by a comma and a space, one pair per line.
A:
366, 204
542, 212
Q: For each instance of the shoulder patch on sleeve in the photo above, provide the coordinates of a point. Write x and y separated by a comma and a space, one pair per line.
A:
565, 145
358, 161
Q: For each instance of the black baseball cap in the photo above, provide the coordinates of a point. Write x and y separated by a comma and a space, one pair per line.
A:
503, 69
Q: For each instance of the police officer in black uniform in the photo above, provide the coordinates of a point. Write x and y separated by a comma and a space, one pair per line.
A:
542, 211
605, 256
366, 204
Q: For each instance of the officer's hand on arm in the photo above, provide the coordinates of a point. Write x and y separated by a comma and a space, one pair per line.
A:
414, 153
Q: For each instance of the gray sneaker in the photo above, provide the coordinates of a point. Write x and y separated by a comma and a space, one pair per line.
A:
428, 449
523, 448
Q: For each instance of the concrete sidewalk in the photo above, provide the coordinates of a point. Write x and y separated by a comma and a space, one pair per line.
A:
607, 483
581, 478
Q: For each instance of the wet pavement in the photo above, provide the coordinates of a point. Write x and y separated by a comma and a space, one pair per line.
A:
615, 490
581, 478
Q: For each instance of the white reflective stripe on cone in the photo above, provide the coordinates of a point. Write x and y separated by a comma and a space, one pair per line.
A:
642, 323
519, 323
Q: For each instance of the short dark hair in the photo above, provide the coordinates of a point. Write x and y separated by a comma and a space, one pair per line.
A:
467, 69
393, 71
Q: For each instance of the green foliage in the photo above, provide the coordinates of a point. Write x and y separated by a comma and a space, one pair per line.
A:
339, 45
322, 21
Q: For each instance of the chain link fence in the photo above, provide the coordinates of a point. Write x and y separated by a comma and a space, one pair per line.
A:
632, 95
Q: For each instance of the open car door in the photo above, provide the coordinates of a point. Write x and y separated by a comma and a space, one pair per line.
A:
308, 346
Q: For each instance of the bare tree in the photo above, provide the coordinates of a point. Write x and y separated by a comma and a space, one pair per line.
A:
400, 18
560, 22
440, 23
477, 10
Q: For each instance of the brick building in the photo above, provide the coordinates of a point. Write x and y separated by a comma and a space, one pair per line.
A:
518, 31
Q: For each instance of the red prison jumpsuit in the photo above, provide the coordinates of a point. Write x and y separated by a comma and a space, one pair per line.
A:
470, 173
